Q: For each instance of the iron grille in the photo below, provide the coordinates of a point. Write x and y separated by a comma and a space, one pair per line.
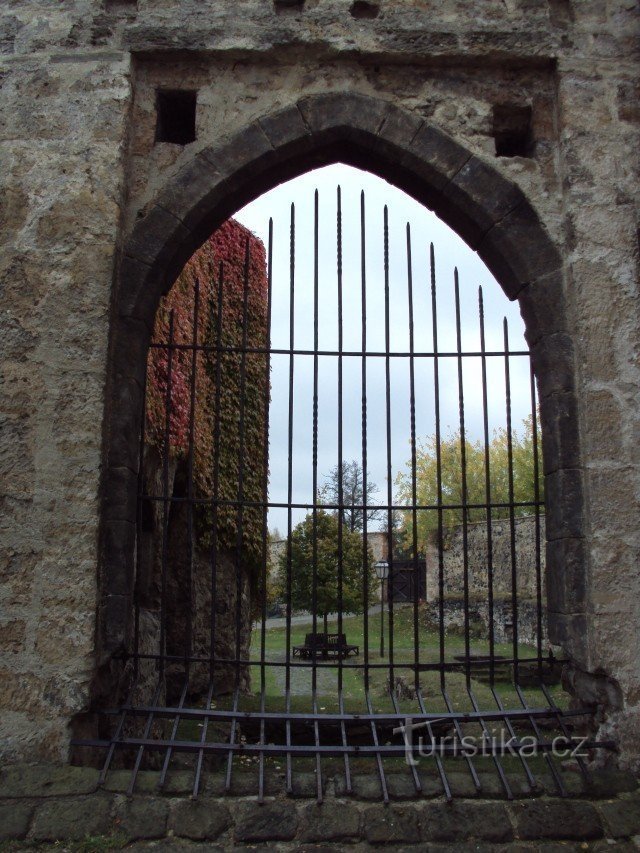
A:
197, 699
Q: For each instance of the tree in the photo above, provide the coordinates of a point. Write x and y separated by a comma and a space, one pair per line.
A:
452, 482
325, 532
352, 495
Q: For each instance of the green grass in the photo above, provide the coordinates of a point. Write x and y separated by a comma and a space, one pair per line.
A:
328, 676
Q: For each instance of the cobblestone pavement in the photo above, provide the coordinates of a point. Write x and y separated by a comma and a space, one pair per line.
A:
45, 806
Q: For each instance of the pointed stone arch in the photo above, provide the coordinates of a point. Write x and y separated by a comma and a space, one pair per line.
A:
488, 211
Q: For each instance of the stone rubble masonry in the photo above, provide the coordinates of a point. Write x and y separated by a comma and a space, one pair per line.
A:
81, 178
45, 804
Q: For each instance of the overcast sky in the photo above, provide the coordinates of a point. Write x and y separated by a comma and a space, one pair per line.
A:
450, 252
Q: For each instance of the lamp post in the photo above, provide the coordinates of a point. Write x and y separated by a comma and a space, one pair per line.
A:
382, 573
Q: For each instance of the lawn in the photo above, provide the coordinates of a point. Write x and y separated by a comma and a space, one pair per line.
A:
327, 678
351, 675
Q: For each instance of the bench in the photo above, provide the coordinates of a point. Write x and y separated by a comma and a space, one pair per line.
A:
325, 645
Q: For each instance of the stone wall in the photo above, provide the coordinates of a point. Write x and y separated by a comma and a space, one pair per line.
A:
478, 557
80, 168
479, 620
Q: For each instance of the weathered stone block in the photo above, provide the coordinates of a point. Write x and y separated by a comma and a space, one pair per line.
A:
568, 820
114, 622
141, 818
272, 821
543, 306
566, 574
517, 250
287, 131
326, 823
194, 192
41, 780
391, 825
248, 150
560, 432
156, 238
398, 130
118, 554
72, 819
117, 781
564, 501
199, 819
460, 821
553, 362
14, 820
120, 501
363, 787
484, 194
434, 157
569, 630
335, 115
622, 817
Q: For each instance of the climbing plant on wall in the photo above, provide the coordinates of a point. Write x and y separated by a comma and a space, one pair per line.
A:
229, 388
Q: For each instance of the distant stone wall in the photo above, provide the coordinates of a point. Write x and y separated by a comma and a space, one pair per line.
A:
479, 620
479, 557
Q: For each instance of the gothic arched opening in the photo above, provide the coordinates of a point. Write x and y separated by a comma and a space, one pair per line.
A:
489, 213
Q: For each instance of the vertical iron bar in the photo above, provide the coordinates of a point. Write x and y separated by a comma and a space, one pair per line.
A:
365, 547
563, 727
374, 735
438, 760
203, 740
146, 733
314, 462
557, 778
232, 740
190, 528
536, 498
347, 771
387, 364
463, 473
486, 735
292, 248
487, 489
459, 734
116, 736
530, 777
414, 772
241, 471
414, 479
512, 518
174, 732
438, 439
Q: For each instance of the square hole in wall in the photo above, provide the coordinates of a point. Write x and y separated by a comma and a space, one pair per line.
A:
512, 130
365, 9
121, 5
281, 5
176, 116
